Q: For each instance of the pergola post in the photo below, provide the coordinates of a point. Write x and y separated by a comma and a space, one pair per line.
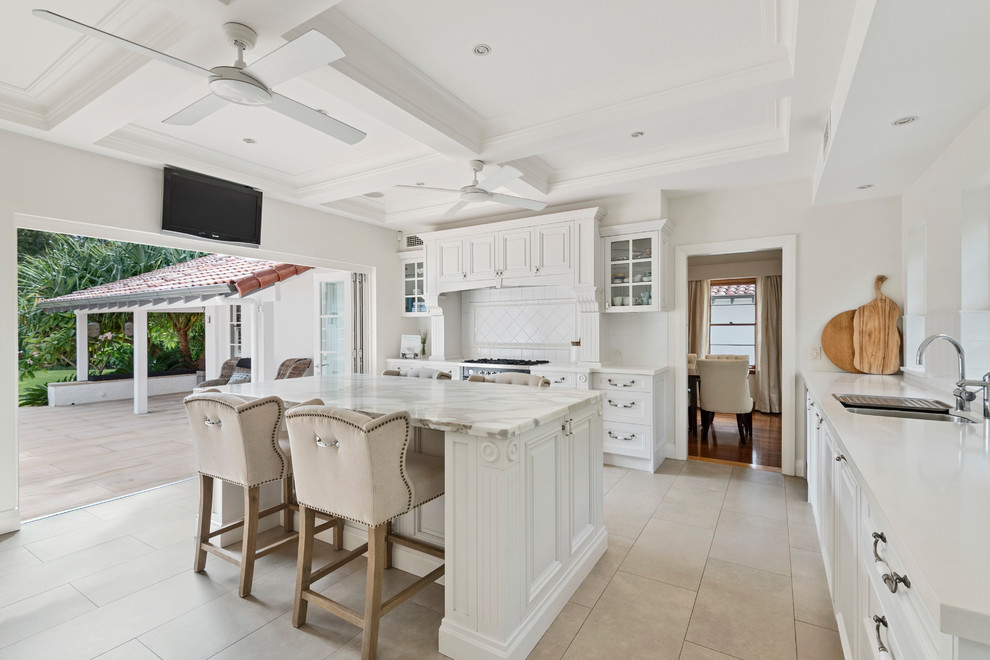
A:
82, 345
140, 362
251, 337
266, 342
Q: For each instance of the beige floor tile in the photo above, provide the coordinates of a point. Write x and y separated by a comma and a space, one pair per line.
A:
561, 633
670, 552
671, 466
796, 488
320, 637
765, 477
755, 498
409, 632
38, 579
814, 643
16, 559
128, 577
801, 526
752, 541
626, 513
591, 589
106, 628
141, 502
704, 475
644, 483
431, 597
695, 652
611, 475
132, 650
744, 612
32, 615
635, 618
812, 602
690, 505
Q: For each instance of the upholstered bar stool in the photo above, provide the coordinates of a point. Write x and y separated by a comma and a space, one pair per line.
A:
725, 389
418, 372
359, 468
237, 441
511, 378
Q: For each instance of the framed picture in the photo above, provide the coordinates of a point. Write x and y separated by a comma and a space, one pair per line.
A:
410, 347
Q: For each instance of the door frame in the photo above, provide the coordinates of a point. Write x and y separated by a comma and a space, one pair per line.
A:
787, 244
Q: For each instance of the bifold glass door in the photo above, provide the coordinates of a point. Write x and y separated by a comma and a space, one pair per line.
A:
341, 329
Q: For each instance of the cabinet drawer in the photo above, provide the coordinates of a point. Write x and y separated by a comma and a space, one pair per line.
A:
559, 379
622, 382
627, 439
632, 407
880, 633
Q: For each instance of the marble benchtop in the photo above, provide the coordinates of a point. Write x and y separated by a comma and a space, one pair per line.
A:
483, 409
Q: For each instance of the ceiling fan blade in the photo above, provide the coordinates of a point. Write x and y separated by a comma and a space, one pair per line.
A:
295, 58
450, 190
201, 109
119, 41
321, 122
453, 210
522, 202
500, 178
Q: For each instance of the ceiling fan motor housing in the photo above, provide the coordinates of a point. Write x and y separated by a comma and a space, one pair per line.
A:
231, 84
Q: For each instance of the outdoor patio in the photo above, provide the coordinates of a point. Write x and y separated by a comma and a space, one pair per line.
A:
71, 456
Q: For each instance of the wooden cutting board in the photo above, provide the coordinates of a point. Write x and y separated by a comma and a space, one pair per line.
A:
837, 341
876, 342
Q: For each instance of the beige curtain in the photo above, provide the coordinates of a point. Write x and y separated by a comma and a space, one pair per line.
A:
699, 293
768, 298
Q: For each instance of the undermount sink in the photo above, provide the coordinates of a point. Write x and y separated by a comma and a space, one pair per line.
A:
912, 414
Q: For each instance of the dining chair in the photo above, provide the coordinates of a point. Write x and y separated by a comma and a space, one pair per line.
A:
359, 468
511, 378
238, 442
725, 389
418, 372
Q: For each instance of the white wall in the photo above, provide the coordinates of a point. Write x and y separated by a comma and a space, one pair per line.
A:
49, 186
945, 233
729, 270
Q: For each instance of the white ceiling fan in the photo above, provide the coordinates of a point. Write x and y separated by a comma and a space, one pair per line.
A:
242, 84
482, 192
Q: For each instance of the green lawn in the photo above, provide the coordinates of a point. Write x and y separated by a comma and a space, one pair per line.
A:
43, 377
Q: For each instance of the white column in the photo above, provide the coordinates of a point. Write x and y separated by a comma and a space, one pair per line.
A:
250, 336
82, 345
263, 368
140, 362
216, 339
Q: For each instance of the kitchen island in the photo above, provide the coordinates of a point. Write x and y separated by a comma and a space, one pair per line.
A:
522, 511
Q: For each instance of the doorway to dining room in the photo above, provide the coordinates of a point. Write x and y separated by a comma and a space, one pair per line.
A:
737, 299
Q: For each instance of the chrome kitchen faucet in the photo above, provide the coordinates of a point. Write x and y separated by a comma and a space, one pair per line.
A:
963, 395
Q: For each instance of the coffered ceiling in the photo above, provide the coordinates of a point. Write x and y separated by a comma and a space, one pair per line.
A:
723, 92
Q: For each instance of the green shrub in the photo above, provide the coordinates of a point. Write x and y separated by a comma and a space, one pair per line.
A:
37, 395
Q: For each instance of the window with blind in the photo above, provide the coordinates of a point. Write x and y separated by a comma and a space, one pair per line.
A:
732, 320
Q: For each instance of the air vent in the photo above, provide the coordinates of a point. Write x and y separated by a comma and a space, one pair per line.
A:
413, 241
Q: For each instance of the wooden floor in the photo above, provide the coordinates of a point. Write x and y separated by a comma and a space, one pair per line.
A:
71, 456
763, 449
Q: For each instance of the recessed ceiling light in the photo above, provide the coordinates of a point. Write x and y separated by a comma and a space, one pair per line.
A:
375, 195
249, 140
904, 121
865, 186
482, 49
637, 134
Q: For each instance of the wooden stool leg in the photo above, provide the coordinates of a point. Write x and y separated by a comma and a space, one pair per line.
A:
203, 525
338, 534
373, 590
304, 564
287, 490
388, 545
249, 544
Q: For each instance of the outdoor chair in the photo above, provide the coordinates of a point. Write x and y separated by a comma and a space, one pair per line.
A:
293, 368
358, 468
234, 370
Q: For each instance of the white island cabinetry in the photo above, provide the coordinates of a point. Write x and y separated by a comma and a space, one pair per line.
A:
902, 508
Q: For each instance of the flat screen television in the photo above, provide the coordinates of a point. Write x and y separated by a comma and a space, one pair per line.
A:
211, 208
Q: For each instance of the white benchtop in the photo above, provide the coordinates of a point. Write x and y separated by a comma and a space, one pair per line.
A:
484, 409
569, 367
931, 481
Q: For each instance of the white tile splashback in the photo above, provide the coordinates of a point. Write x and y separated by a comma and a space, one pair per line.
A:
534, 323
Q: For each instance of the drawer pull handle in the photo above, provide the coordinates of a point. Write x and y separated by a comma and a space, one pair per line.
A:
615, 384
891, 579
880, 621
562, 379
621, 405
631, 436
839, 457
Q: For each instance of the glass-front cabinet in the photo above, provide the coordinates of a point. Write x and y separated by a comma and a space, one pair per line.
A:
633, 261
414, 285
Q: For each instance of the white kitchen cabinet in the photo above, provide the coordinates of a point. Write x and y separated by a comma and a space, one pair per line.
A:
633, 279
480, 254
635, 417
413, 284
447, 260
514, 253
570, 379
552, 249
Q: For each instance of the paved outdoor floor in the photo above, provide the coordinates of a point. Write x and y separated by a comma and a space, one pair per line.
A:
71, 456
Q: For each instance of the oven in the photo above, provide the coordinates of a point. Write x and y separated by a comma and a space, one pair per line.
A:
489, 366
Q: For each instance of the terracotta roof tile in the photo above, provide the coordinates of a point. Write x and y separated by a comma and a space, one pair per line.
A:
240, 274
